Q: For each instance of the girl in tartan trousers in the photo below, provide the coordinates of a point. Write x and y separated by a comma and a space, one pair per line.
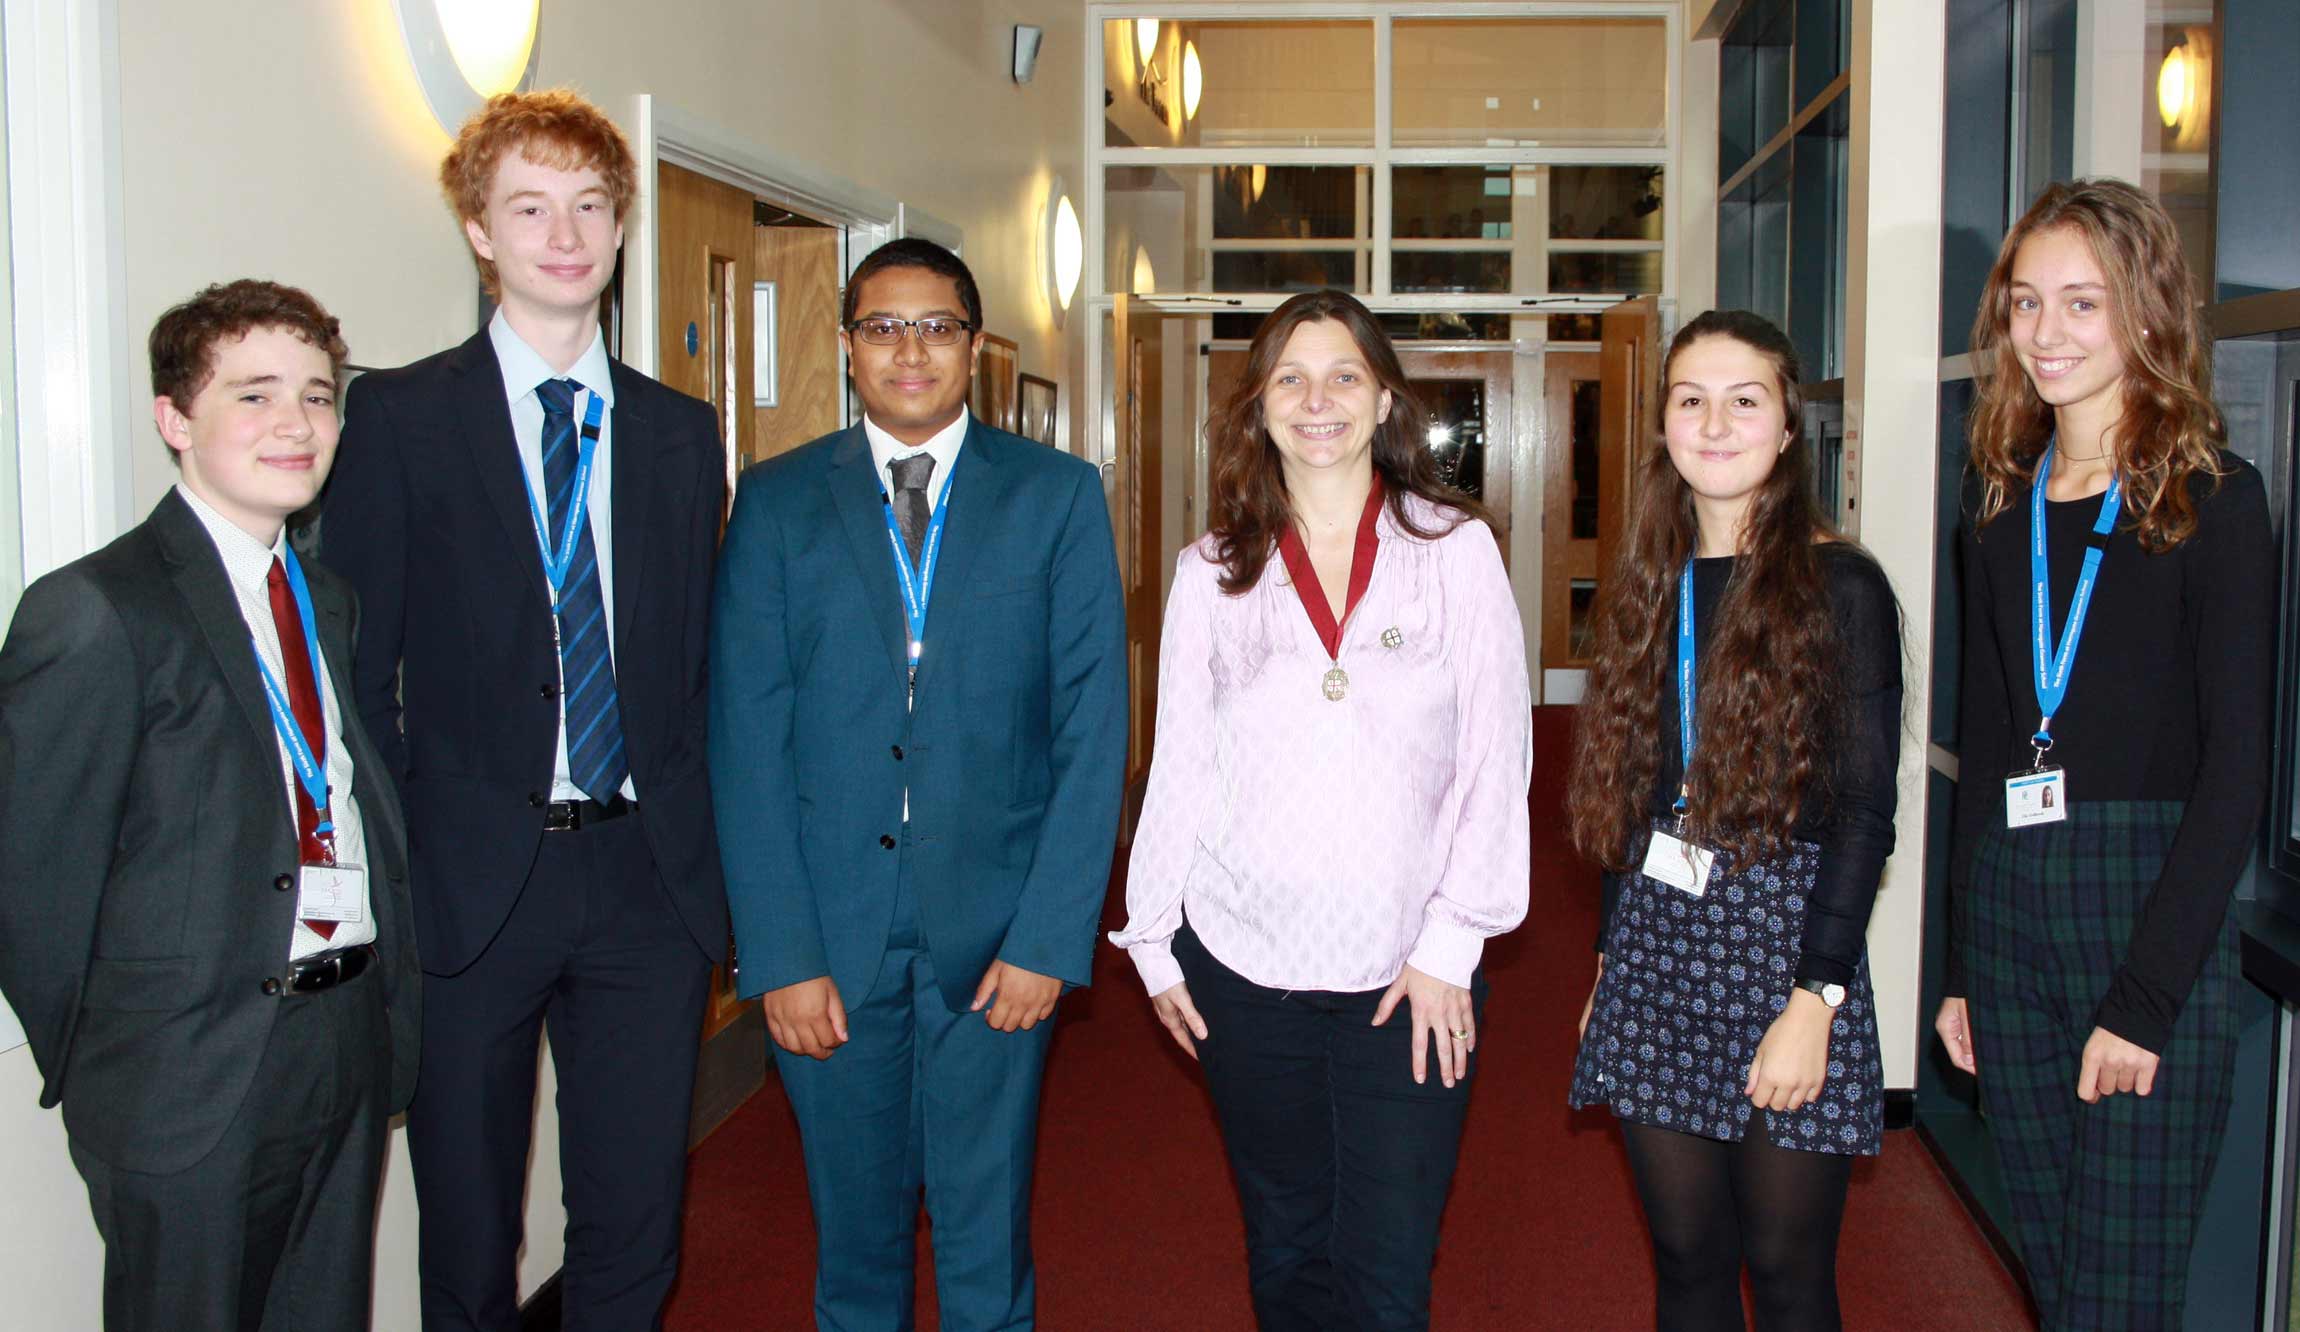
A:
1734, 770
2118, 580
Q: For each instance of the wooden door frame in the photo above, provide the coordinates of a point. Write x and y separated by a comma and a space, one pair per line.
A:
1560, 562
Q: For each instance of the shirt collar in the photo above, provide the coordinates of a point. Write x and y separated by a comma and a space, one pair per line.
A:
885, 448
247, 561
524, 368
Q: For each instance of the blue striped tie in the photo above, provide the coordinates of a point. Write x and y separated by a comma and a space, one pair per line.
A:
595, 759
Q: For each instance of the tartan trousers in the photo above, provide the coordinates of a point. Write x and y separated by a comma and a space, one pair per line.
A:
2104, 1196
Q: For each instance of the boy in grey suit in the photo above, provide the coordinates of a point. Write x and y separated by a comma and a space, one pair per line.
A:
204, 920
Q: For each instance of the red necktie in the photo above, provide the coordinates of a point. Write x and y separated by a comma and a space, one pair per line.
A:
303, 699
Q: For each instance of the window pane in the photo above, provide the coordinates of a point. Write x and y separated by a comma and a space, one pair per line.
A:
1456, 411
1588, 401
1481, 82
1455, 202
1605, 202
1412, 326
1449, 270
1612, 272
1176, 229
1256, 82
1576, 328
1284, 270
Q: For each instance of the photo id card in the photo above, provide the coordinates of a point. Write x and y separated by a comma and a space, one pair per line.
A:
2036, 795
1678, 863
332, 892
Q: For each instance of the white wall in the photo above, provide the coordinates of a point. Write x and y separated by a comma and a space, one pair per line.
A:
287, 139
1892, 405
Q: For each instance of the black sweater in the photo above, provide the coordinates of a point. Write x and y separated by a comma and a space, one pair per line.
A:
2168, 700
1851, 820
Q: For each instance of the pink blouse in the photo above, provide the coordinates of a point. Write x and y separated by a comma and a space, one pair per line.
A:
1326, 845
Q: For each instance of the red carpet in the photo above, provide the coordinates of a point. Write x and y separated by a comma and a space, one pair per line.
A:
1138, 1230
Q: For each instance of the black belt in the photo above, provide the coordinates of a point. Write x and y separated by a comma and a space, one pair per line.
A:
325, 971
572, 815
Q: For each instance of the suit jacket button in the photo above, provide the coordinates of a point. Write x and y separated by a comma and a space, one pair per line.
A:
284, 882
898, 753
886, 840
271, 985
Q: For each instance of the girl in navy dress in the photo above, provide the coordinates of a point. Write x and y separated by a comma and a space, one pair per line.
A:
1735, 774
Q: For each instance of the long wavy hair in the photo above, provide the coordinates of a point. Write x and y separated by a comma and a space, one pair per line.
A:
1767, 683
1248, 508
2168, 430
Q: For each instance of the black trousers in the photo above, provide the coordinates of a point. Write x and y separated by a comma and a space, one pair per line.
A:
594, 952
1342, 1162
274, 1229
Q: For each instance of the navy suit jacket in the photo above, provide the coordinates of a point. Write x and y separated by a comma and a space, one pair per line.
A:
1014, 757
427, 517
147, 846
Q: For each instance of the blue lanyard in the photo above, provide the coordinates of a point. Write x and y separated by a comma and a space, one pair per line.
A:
555, 565
2053, 665
308, 769
1684, 683
918, 585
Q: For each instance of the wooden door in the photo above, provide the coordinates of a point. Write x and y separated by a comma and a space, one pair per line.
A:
1629, 419
703, 268
1467, 396
704, 265
802, 402
1573, 494
1138, 338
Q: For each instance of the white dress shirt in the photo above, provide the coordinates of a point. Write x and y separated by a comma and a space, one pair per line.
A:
886, 451
523, 369
248, 567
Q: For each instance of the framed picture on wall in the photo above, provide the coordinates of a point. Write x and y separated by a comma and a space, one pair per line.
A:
1034, 404
994, 375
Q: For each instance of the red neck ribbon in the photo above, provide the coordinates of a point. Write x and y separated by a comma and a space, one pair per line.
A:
1305, 576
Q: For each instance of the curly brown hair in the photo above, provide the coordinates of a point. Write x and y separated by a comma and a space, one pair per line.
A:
183, 343
1768, 681
2168, 429
1249, 509
553, 127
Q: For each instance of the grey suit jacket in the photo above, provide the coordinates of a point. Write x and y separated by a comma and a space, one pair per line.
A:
144, 840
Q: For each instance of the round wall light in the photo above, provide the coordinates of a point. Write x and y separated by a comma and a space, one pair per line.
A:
466, 51
1065, 251
2172, 87
1193, 80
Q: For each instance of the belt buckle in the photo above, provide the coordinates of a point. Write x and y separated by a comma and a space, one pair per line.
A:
563, 816
316, 974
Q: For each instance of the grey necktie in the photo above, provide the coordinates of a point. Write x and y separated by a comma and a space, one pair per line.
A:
910, 506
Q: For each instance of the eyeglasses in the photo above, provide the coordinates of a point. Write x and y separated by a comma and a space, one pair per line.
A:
935, 332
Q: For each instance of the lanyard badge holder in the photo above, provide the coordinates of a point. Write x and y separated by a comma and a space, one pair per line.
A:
917, 584
1669, 858
2039, 793
329, 890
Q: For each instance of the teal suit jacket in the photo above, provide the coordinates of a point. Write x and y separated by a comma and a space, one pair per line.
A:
1014, 756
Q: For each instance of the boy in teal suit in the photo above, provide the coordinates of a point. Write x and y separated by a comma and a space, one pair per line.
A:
918, 744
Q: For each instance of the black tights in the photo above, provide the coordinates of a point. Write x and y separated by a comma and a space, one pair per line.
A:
1713, 1206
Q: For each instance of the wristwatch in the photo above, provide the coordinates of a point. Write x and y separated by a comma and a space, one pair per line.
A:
1831, 993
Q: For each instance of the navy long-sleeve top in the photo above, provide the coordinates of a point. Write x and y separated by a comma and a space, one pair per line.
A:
2168, 700
1850, 814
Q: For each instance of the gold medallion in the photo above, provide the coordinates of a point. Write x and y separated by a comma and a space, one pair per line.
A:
1337, 684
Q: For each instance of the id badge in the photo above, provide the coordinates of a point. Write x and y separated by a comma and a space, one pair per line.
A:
2034, 796
332, 892
1678, 863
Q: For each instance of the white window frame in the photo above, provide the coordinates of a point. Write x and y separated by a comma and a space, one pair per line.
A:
1096, 301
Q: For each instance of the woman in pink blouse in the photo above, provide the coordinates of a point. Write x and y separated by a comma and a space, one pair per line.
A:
1336, 819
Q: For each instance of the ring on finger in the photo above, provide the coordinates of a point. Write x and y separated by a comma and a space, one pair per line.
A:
1461, 1035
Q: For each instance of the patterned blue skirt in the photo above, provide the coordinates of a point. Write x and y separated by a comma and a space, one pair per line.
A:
1691, 984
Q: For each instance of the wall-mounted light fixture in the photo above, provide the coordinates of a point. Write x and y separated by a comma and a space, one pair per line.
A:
1146, 39
1065, 243
2184, 89
466, 51
1193, 80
